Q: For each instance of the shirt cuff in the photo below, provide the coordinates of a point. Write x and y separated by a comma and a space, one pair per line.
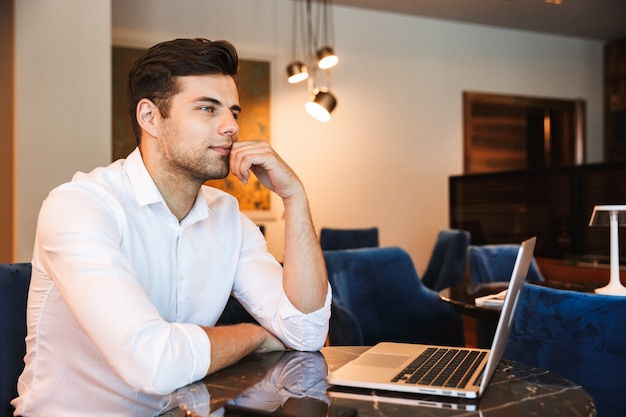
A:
305, 332
201, 350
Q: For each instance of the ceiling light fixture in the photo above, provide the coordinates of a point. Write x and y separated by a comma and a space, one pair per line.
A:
297, 70
321, 104
321, 101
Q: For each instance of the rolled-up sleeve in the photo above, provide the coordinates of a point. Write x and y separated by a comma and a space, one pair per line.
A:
259, 287
304, 332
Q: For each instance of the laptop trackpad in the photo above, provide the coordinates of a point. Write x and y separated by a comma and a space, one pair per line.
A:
381, 360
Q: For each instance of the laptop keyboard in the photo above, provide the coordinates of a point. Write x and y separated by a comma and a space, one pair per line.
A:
442, 367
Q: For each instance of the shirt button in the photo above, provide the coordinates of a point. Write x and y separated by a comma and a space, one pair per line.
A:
181, 278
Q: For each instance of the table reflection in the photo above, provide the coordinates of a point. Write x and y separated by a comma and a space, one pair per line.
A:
294, 385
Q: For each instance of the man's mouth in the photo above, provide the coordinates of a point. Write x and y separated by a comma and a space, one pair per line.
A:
221, 149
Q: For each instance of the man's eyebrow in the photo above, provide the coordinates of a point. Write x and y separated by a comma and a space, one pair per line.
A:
218, 103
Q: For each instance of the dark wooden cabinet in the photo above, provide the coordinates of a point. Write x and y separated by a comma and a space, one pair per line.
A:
554, 204
561, 270
615, 101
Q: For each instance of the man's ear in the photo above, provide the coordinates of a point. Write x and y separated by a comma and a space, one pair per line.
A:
148, 116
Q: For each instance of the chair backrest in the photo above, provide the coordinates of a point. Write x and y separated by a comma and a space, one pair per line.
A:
577, 335
235, 313
381, 287
494, 263
337, 239
344, 328
446, 266
14, 283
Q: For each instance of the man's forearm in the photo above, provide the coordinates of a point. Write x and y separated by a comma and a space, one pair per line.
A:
304, 278
229, 344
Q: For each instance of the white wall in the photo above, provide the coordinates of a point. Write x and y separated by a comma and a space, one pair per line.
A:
396, 135
63, 100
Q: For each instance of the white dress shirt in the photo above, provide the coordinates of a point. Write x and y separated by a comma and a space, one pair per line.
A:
120, 286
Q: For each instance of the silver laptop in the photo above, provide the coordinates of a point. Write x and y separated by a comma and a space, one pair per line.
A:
415, 368
392, 397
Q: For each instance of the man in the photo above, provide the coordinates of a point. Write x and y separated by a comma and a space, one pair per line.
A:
133, 263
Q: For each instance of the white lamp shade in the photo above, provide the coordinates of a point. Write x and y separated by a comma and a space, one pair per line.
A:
612, 216
601, 215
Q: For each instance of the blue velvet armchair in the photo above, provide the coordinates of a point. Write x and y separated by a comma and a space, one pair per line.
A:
337, 239
493, 263
581, 336
446, 266
14, 283
382, 289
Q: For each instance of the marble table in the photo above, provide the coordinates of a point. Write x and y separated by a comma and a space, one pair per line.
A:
293, 384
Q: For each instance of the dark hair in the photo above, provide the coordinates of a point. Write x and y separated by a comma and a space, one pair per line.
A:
153, 75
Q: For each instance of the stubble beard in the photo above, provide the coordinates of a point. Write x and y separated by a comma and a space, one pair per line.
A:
201, 169
218, 170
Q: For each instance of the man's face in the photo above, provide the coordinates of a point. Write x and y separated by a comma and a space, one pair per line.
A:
195, 139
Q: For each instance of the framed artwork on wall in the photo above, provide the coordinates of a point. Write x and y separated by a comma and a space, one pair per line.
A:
254, 124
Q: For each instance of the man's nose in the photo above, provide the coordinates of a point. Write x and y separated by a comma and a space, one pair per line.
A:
229, 126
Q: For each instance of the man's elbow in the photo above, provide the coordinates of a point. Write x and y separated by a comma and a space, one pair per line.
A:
157, 383
310, 342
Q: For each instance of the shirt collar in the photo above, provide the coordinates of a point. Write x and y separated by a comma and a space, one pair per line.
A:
146, 191
144, 188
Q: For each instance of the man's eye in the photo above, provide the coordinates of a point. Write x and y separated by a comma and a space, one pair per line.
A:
209, 109
236, 115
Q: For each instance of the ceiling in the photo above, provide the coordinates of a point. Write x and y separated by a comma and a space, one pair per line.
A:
602, 20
